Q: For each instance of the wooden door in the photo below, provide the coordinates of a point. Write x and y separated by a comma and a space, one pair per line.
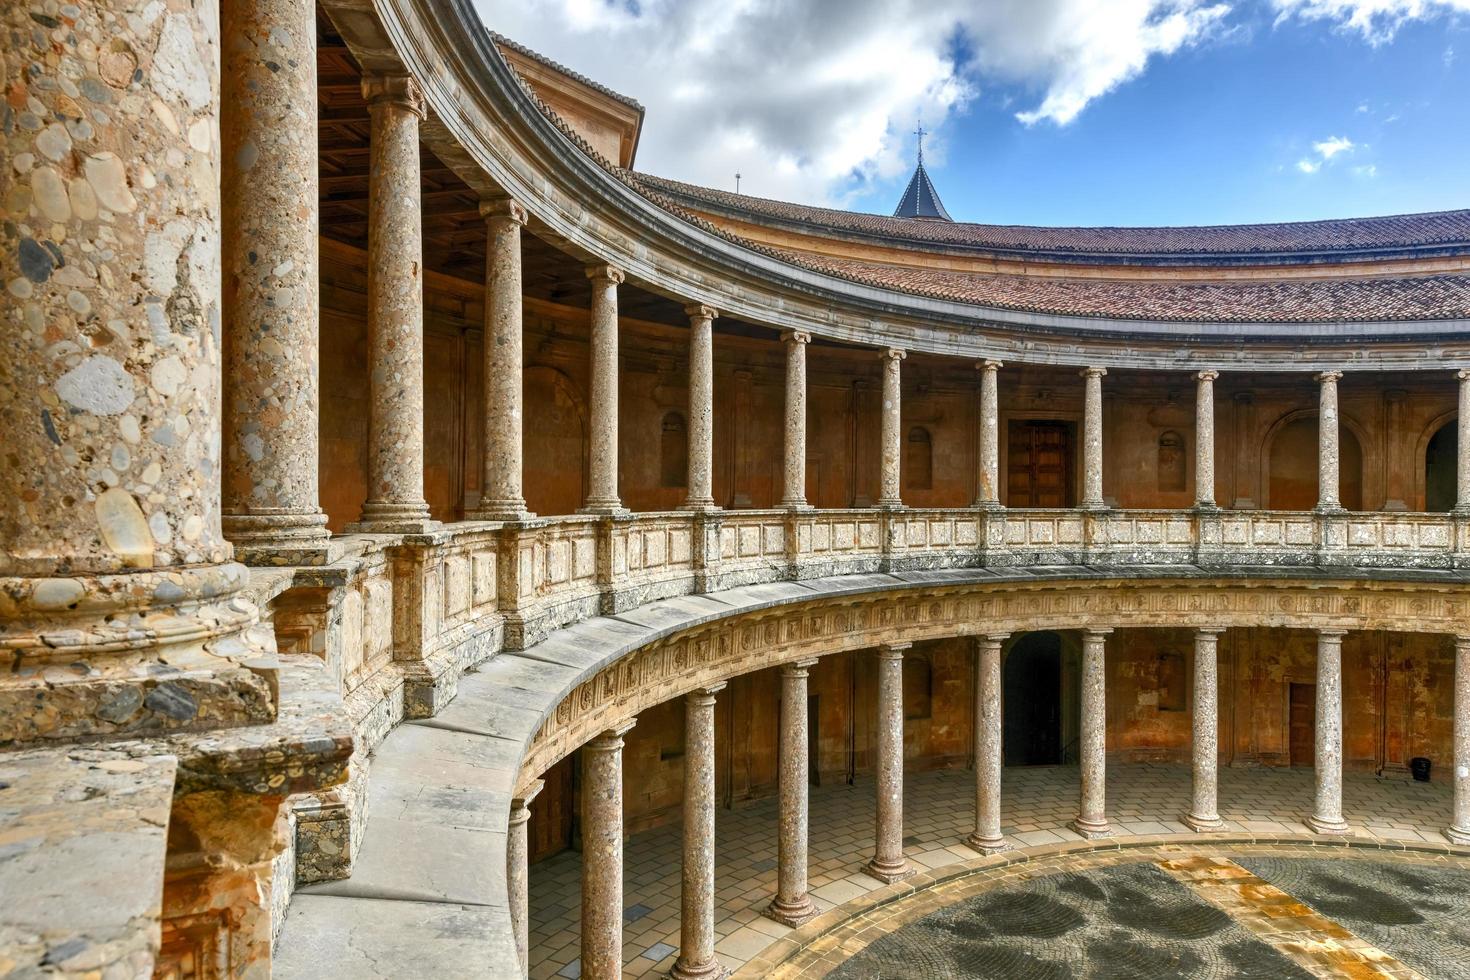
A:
1039, 464
1302, 718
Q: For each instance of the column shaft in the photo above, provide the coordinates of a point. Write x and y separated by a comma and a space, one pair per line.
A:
517, 871
1462, 468
888, 863
1327, 810
1203, 809
794, 474
792, 904
701, 408
1092, 821
890, 486
988, 494
1092, 447
1204, 439
1459, 828
502, 496
602, 495
602, 856
987, 838
1328, 492
697, 910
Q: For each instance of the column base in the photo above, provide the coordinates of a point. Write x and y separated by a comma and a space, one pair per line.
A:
1202, 825
991, 505
889, 873
393, 518
713, 969
700, 506
791, 914
890, 505
988, 846
1319, 825
605, 508
1091, 830
1457, 836
502, 515
280, 538
795, 505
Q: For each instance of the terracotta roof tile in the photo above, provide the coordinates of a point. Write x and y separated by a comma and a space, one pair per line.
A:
520, 48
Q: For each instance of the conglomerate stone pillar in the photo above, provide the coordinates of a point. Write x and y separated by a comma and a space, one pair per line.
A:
792, 904
1092, 820
987, 838
1326, 815
268, 193
1462, 462
890, 486
1205, 706
888, 863
602, 855
988, 493
502, 496
602, 494
1328, 493
1459, 828
1204, 440
701, 407
517, 870
793, 482
395, 261
1092, 438
697, 960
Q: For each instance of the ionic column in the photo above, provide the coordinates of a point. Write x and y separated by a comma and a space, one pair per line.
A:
517, 870
701, 407
1328, 494
1203, 812
1326, 815
602, 855
602, 493
1204, 440
697, 959
794, 475
1092, 465
395, 262
268, 135
987, 838
890, 487
888, 863
792, 904
1459, 829
1462, 461
502, 497
988, 494
1092, 821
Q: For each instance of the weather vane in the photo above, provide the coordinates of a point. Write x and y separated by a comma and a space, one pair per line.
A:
737, 182
919, 132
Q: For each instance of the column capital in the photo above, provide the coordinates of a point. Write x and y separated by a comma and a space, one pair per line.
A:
892, 651
1096, 632
1209, 375
508, 209
989, 365
603, 271
1462, 642
698, 311
520, 804
704, 696
611, 740
798, 668
397, 90
893, 353
789, 337
1328, 376
996, 638
1463, 374
1211, 631
1093, 372
1331, 635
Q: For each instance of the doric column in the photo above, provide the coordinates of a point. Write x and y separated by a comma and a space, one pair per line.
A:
1326, 815
395, 261
1092, 464
890, 486
794, 476
502, 496
602, 855
1328, 493
1462, 460
1204, 440
888, 863
701, 408
602, 495
1459, 828
1092, 820
697, 959
268, 136
517, 870
988, 494
792, 905
1205, 706
987, 838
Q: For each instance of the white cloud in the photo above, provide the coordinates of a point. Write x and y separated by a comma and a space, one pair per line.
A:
813, 100
1377, 20
1307, 166
1370, 170
1326, 152
1332, 146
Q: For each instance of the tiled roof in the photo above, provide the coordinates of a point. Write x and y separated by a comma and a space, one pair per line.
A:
516, 46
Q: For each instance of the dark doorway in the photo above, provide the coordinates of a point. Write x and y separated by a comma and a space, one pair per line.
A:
1302, 717
1293, 467
554, 807
1440, 460
1039, 463
1032, 705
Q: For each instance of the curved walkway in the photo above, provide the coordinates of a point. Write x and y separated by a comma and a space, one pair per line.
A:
1144, 802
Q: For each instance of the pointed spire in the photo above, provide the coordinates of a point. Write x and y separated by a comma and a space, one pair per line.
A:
920, 199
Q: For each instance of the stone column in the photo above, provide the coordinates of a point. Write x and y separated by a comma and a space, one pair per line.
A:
1203, 812
602, 495
1459, 828
1326, 815
268, 132
1204, 440
987, 838
792, 905
1092, 465
602, 855
395, 310
701, 408
1328, 494
890, 485
502, 497
697, 960
1462, 469
988, 494
794, 476
1092, 821
888, 863
517, 870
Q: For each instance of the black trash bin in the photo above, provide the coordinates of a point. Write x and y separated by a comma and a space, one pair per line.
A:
1419, 766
